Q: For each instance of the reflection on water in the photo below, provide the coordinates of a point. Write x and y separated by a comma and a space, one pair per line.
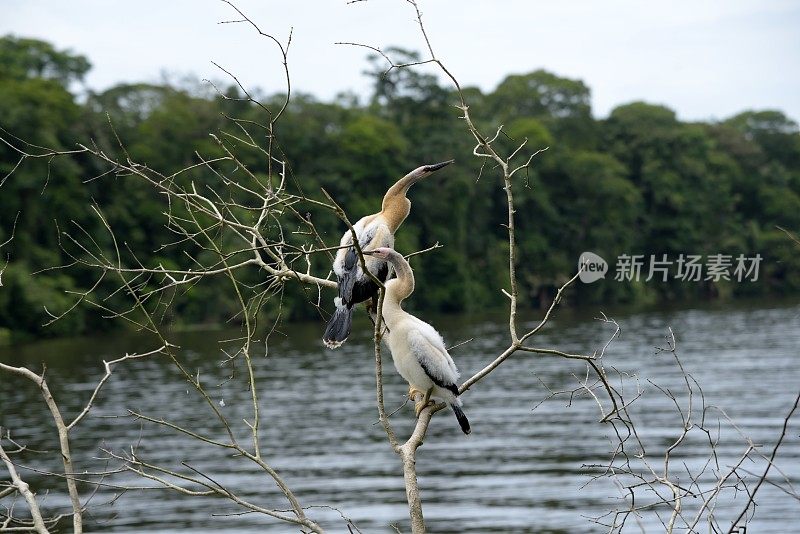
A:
519, 471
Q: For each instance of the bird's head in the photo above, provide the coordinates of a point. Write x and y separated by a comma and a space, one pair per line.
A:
426, 170
402, 285
382, 253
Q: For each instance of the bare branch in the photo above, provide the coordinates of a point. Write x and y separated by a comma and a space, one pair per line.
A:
22, 487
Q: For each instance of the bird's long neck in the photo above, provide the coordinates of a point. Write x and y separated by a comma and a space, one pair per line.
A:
399, 288
396, 205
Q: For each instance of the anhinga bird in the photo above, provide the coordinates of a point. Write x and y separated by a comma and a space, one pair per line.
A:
417, 348
376, 230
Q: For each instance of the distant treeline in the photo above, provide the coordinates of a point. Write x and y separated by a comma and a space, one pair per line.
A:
639, 182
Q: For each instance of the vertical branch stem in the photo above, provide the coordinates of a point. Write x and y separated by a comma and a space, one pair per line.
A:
408, 454
512, 255
412, 491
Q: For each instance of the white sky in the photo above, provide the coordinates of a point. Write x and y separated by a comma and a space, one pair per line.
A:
705, 59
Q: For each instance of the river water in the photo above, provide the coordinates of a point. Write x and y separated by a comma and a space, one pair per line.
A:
523, 468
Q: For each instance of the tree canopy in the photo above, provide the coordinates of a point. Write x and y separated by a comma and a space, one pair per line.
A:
638, 182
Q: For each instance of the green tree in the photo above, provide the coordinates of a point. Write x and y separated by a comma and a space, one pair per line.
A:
26, 59
563, 104
639, 182
775, 133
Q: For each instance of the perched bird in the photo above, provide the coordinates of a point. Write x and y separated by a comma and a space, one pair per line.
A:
417, 348
376, 230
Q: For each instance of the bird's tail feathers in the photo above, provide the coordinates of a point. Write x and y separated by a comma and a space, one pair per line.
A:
463, 422
338, 328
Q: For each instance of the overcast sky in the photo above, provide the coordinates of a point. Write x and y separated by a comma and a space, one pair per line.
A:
704, 59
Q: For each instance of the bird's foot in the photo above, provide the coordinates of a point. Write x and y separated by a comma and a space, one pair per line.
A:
413, 393
421, 400
418, 407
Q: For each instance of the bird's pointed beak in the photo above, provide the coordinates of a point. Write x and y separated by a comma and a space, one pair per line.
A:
437, 166
426, 170
368, 252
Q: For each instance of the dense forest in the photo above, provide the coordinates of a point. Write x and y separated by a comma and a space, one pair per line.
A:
639, 182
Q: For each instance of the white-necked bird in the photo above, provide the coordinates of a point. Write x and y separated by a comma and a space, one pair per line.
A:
417, 349
372, 231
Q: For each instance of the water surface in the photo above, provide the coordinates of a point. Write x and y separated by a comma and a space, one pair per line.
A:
521, 470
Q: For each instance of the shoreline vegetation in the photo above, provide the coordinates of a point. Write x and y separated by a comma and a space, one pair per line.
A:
639, 182
573, 314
